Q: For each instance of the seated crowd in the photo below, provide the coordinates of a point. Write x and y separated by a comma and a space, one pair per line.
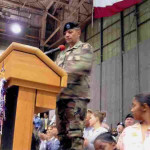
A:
97, 134
132, 134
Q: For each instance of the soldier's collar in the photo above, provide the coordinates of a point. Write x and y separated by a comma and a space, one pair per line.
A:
75, 46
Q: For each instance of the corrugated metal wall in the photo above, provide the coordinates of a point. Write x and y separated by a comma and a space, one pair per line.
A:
123, 70
144, 63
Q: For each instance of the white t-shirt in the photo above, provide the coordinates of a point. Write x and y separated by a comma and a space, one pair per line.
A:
92, 135
131, 139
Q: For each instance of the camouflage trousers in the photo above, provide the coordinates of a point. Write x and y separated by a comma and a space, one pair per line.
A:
70, 115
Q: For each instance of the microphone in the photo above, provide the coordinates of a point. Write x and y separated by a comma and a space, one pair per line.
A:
59, 48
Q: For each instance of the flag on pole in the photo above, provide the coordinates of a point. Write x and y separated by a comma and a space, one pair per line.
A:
105, 8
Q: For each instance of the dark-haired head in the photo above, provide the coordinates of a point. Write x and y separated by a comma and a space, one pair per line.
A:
129, 116
141, 107
121, 123
72, 33
143, 98
105, 141
120, 127
71, 25
106, 137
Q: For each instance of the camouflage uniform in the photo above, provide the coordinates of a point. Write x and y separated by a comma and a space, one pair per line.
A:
72, 101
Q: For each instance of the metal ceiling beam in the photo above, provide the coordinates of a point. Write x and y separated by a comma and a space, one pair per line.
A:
56, 30
61, 3
41, 4
43, 29
75, 10
43, 43
18, 37
20, 5
53, 17
56, 6
87, 10
62, 40
5, 20
60, 25
49, 5
23, 10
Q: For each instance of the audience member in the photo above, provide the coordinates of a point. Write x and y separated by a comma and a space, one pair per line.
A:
105, 141
35, 139
45, 123
87, 123
53, 143
37, 122
114, 132
120, 128
95, 122
137, 136
129, 120
45, 138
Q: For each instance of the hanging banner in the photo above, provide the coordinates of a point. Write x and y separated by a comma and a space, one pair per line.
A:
106, 8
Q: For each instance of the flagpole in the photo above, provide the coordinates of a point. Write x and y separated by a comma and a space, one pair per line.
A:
92, 15
101, 57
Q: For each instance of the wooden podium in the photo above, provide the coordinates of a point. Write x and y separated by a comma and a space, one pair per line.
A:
33, 82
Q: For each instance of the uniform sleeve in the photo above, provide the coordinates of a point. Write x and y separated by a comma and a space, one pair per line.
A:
81, 62
57, 59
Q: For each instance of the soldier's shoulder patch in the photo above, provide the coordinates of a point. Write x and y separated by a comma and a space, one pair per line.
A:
85, 45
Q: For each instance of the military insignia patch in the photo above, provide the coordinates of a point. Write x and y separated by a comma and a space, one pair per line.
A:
85, 46
68, 26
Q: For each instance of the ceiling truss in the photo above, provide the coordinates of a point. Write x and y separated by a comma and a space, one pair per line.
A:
61, 11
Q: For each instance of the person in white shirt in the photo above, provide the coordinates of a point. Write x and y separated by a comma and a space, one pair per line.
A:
95, 122
45, 138
137, 136
53, 143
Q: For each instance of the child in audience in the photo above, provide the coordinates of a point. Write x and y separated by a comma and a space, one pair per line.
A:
105, 141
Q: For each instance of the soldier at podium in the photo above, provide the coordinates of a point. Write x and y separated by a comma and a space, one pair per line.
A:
72, 102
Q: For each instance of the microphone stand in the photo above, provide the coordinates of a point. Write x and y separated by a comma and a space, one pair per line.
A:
50, 51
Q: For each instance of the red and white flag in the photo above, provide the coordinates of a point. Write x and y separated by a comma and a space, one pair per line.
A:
105, 8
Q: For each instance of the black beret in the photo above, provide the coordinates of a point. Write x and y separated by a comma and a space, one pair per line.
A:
129, 116
121, 123
70, 25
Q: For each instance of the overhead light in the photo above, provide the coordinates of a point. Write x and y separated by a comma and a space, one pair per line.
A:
16, 28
